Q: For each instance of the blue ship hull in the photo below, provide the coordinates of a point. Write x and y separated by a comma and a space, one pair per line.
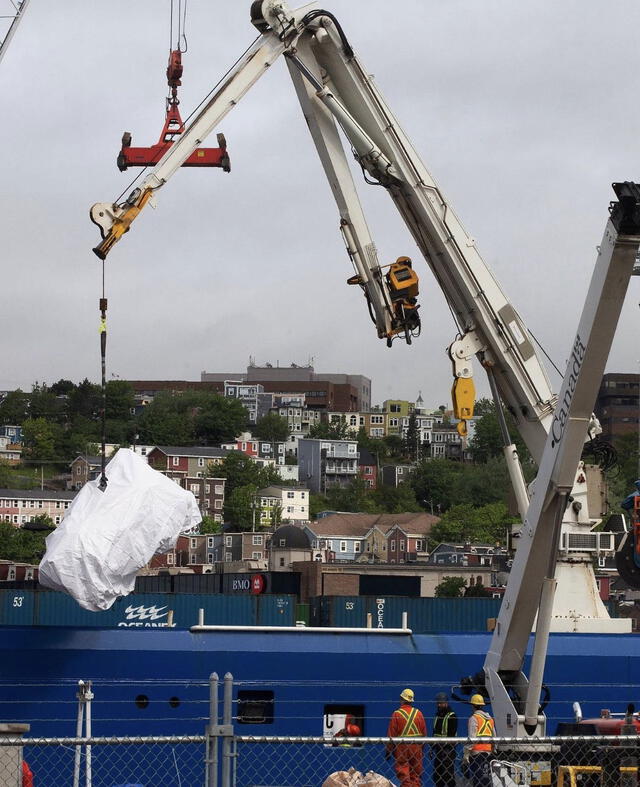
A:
155, 681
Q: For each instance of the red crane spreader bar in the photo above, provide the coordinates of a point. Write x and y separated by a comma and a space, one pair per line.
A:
173, 126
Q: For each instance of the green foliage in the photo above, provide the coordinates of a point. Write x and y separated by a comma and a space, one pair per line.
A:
411, 446
14, 408
355, 497
450, 587
487, 442
191, 417
41, 521
241, 509
396, 499
21, 545
41, 438
442, 483
209, 525
336, 430
626, 472
241, 471
465, 523
273, 428
477, 590
218, 419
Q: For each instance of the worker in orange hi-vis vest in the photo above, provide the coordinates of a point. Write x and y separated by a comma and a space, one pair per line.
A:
407, 722
478, 752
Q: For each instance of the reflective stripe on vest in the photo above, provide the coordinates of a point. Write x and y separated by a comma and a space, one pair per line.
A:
485, 730
410, 727
445, 726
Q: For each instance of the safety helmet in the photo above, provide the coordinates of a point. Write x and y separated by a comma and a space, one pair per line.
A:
477, 699
407, 695
441, 697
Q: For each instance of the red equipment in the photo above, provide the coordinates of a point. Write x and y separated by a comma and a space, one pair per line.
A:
173, 126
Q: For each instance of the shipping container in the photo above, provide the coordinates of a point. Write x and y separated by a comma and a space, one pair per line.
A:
146, 610
425, 615
381, 585
276, 610
197, 583
158, 583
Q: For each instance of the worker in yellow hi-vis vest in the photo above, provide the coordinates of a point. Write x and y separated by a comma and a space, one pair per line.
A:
479, 751
407, 722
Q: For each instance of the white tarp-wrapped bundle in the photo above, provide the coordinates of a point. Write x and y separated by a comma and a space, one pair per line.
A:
105, 537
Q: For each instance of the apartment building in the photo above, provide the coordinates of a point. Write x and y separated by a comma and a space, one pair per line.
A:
19, 506
326, 463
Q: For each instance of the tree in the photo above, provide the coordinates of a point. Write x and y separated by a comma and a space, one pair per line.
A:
21, 545
40, 438
43, 403
476, 589
467, 524
272, 428
219, 419
450, 587
411, 445
338, 429
396, 499
487, 441
240, 471
165, 422
209, 525
240, 507
120, 400
14, 408
354, 497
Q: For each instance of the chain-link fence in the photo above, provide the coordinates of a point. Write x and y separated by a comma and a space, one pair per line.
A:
586, 761
103, 762
230, 760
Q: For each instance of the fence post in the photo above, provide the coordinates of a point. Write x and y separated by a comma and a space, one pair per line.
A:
211, 752
227, 717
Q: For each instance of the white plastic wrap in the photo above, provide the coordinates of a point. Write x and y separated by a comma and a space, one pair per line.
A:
105, 537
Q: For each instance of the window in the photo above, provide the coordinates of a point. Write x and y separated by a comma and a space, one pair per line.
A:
200, 461
356, 546
228, 541
175, 461
401, 547
377, 419
291, 495
192, 559
290, 509
219, 489
57, 520
418, 545
227, 557
256, 555
209, 557
256, 540
283, 542
207, 489
210, 542
343, 546
255, 707
195, 488
281, 562
393, 421
393, 546
217, 503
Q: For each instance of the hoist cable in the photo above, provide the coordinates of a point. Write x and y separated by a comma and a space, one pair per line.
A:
103, 410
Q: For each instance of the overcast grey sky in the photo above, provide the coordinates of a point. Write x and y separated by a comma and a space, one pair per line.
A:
524, 112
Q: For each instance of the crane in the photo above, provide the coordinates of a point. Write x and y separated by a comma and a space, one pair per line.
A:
337, 94
19, 7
